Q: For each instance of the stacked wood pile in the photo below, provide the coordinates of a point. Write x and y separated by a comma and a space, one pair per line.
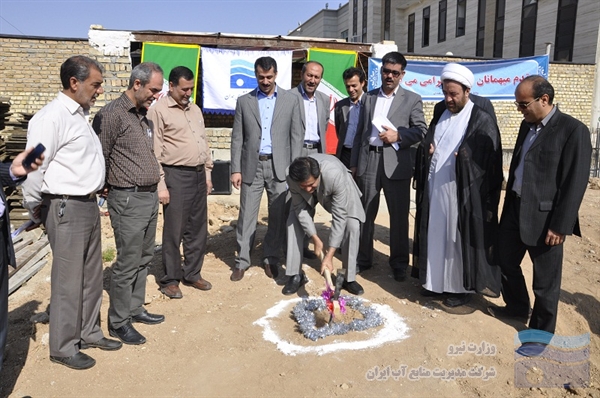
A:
31, 250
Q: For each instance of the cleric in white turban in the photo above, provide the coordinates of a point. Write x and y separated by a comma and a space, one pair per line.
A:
458, 73
458, 177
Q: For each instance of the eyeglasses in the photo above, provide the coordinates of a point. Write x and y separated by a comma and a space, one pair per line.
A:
525, 105
395, 73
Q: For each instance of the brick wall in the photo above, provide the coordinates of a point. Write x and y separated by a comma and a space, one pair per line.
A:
29, 75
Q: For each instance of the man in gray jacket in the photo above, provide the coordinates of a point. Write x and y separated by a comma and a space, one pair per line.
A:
323, 179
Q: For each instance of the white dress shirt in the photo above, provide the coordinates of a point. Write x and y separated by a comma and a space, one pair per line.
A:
73, 163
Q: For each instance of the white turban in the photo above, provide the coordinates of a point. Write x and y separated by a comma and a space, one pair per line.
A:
458, 73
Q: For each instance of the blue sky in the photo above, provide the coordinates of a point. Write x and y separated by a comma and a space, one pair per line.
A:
72, 18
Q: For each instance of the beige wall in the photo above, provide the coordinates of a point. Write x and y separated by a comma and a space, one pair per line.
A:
29, 72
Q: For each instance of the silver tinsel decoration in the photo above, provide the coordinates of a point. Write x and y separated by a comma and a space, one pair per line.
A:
304, 312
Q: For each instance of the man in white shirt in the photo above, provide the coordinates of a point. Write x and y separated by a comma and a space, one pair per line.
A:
62, 194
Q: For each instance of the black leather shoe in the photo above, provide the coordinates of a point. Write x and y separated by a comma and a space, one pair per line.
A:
457, 299
353, 287
294, 283
399, 275
508, 313
148, 318
363, 268
78, 361
271, 269
308, 254
127, 334
104, 344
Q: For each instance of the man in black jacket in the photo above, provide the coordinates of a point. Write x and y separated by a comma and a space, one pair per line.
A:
10, 175
458, 178
548, 176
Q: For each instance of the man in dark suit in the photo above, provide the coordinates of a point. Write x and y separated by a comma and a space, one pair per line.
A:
349, 116
266, 137
384, 160
10, 175
548, 176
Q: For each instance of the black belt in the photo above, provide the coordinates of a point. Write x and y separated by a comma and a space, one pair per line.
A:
312, 145
514, 194
344, 148
138, 188
198, 168
374, 148
76, 197
265, 157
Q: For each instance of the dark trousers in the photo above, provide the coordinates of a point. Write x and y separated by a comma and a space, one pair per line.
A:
133, 216
345, 156
3, 290
547, 269
397, 197
185, 219
73, 228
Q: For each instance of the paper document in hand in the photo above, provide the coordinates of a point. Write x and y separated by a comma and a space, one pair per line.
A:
22, 228
380, 121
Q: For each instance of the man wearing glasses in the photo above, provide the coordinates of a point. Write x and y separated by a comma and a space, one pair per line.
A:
548, 176
393, 121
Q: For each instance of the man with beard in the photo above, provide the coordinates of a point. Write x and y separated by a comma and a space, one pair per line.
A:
266, 137
458, 176
349, 116
384, 160
547, 179
132, 175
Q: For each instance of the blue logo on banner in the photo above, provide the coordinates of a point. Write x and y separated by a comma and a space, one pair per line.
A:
563, 362
242, 74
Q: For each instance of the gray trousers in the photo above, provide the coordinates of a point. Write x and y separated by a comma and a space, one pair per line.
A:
184, 219
295, 237
76, 284
397, 197
250, 196
133, 216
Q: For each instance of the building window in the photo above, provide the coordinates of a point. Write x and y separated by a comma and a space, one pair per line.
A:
528, 28
410, 46
480, 40
426, 21
461, 12
499, 29
565, 30
387, 11
364, 20
344, 35
443, 7
354, 17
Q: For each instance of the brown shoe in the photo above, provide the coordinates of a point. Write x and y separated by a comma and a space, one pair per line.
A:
237, 274
200, 284
171, 291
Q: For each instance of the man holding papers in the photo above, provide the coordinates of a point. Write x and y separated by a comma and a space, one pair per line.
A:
394, 121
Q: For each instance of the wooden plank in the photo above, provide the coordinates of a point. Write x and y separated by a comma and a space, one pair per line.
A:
24, 242
29, 252
25, 275
24, 266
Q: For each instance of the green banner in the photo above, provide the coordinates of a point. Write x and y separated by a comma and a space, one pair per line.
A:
169, 56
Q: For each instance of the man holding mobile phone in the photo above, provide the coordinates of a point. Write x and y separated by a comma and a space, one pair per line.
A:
11, 174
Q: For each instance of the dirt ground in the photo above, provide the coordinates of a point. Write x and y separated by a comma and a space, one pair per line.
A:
210, 345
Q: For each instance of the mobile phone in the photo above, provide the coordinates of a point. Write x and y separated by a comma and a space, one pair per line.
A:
33, 155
